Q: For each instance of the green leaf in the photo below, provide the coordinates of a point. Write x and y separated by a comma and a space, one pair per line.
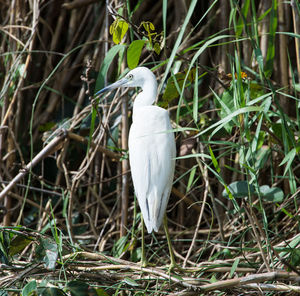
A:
221, 123
240, 189
156, 48
18, 244
295, 257
293, 244
119, 246
259, 58
213, 279
273, 194
50, 291
271, 40
225, 106
288, 159
195, 98
29, 288
174, 86
118, 29
78, 288
130, 282
47, 252
214, 160
179, 39
297, 87
234, 266
106, 63
134, 53
4, 246
191, 178
3, 292
100, 292
244, 12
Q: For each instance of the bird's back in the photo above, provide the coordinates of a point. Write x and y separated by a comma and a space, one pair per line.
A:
152, 155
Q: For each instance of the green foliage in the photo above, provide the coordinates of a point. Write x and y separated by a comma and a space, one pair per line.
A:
120, 246
273, 194
74, 288
175, 84
240, 189
30, 289
152, 36
117, 49
18, 243
271, 40
47, 252
4, 247
118, 29
134, 53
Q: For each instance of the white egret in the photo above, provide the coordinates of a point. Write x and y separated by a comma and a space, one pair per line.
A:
152, 151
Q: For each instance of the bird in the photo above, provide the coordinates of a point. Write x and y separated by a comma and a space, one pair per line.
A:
152, 150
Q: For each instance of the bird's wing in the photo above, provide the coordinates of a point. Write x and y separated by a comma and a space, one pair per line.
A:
152, 159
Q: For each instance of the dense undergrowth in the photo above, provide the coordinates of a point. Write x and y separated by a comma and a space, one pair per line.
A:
228, 72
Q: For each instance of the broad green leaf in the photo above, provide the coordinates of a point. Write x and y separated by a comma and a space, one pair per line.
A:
106, 63
18, 243
239, 189
136, 254
173, 83
49, 291
118, 29
47, 252
78, 288
273, 194
29, 289
134, 53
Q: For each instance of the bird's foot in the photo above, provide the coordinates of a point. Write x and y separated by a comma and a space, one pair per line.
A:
144, 262
174, 266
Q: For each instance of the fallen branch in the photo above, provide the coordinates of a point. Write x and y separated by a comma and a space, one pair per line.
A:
46, 151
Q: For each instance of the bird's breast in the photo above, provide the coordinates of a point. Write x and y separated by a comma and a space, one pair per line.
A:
150, 118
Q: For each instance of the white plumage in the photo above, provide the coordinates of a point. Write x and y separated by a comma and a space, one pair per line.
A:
152, 149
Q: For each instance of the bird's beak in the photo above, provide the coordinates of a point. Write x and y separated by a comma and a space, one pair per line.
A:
119, 83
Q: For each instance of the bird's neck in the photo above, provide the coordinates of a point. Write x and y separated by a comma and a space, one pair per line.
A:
147, 96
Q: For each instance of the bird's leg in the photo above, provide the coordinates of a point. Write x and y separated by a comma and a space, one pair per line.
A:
172, 257
143, 259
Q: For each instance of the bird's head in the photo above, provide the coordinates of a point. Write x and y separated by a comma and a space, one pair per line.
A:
137, 77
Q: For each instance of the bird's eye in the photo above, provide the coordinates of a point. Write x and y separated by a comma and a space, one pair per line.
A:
130, 76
